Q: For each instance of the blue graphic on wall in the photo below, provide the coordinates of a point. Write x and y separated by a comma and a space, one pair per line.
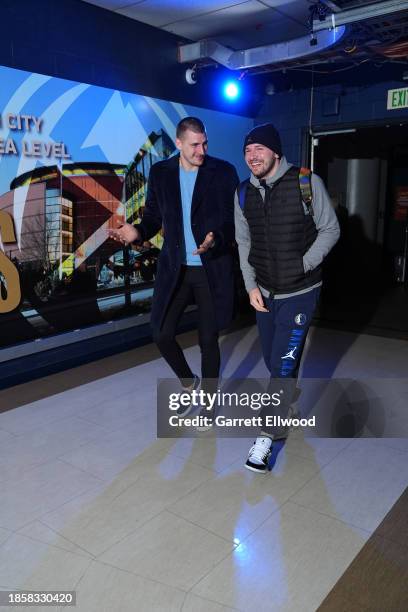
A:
74, 162
95, 123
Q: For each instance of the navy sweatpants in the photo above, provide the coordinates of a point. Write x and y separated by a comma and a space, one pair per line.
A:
283, 333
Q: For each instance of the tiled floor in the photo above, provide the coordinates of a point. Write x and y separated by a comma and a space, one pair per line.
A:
92, 501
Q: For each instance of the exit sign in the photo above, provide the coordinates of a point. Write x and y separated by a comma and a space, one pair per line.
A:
397, 98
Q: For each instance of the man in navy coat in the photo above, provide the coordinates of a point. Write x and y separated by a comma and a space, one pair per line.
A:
191, 197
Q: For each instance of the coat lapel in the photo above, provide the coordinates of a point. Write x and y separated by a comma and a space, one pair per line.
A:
172, 188
205, 176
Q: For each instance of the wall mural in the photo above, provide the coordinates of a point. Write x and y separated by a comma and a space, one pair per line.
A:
74, 163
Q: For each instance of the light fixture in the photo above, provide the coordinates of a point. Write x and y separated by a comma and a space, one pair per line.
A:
231, 90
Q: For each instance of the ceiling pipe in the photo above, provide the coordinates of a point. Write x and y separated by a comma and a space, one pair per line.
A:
379, 9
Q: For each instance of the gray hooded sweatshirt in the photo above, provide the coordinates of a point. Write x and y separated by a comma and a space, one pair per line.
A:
323, 215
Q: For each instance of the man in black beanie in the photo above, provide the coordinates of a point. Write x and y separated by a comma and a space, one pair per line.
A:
285, 225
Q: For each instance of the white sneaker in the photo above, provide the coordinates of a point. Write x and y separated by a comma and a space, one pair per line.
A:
259, 454
184, 410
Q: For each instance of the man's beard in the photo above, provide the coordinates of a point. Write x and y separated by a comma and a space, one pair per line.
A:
267, 170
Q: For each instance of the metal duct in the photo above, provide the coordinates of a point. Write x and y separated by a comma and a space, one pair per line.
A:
259, 56
288, 50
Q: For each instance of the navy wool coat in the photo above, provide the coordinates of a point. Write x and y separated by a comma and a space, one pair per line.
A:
212, 210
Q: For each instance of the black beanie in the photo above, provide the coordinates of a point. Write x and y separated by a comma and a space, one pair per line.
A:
267, 135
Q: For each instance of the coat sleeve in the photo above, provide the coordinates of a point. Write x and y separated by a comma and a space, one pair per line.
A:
151, 222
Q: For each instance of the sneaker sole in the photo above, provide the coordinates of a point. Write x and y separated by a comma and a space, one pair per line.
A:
248, 467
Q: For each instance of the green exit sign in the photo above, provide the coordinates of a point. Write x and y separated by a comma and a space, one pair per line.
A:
397, 98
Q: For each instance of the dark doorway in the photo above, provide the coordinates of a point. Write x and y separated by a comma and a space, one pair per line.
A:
366, 173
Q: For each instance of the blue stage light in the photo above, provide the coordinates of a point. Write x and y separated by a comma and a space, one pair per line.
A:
231, 90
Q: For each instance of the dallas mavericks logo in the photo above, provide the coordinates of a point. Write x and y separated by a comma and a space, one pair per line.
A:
300, 319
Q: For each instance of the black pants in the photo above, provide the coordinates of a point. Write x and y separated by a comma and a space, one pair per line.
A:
192, 287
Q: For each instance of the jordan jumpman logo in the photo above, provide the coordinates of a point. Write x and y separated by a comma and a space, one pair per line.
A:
290, 355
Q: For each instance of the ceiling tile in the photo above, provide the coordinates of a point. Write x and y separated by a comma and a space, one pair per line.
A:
112, 5
297, 10
279, 30
160, 13
249, 13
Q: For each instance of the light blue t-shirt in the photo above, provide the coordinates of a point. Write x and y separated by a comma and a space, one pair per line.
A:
187, 182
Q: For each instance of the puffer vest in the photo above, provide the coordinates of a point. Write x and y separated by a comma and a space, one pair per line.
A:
281, 233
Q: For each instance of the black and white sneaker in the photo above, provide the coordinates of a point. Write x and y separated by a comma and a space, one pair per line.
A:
259, 455
184, 410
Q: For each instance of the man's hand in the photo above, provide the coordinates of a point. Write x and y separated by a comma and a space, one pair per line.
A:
256, 300
207, 244
125, 234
